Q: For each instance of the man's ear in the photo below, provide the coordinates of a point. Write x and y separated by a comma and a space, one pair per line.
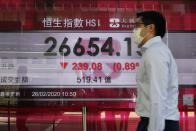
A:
151, 28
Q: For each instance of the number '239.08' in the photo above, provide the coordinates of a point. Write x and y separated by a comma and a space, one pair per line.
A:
79, 49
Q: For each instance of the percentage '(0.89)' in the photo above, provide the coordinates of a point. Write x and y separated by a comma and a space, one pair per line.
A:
127, 66
92, 49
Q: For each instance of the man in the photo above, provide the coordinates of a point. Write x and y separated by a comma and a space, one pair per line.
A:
157, 77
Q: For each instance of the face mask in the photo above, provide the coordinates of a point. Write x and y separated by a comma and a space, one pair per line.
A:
137, 38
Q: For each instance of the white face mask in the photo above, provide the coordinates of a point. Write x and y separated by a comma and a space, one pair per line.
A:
137, 38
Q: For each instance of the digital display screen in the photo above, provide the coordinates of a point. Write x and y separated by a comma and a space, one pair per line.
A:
45, 63
83, 58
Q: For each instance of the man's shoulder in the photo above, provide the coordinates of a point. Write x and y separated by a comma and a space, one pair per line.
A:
157, 50
158, 44
154, 49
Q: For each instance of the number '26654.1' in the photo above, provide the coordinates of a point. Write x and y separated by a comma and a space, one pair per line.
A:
79, 49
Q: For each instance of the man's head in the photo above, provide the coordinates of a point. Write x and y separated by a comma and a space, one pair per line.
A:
148, 25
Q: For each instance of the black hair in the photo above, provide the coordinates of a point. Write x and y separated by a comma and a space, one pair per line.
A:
156, 18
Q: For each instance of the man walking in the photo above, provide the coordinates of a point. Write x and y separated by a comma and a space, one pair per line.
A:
157, 77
